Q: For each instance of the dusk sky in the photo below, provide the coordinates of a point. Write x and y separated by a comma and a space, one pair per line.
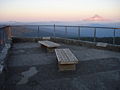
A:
58, 10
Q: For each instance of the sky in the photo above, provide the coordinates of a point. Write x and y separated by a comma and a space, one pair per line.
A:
58, 10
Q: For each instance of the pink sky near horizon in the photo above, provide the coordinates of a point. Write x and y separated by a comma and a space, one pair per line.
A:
54, 10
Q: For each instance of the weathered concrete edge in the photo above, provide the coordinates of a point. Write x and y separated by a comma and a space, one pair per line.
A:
3, 59
3, 56
70, 41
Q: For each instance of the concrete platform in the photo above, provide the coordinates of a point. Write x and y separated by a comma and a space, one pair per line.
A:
33, 68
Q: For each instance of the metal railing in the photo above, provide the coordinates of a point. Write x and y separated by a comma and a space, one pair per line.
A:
95, 34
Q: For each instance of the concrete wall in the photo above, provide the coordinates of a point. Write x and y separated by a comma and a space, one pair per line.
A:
3, 58
21, 39
3, 55
97, 45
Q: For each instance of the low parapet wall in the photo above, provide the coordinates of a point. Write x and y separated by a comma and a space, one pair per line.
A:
97, 45
24, 39
3, 57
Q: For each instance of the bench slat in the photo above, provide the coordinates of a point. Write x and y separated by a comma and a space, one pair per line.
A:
65, 56
60, 55
70, 55
49, 44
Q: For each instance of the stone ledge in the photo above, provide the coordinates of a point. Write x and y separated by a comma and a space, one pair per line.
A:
3, 56
97, 45
25, 39
104, 46
100, 44
73, 42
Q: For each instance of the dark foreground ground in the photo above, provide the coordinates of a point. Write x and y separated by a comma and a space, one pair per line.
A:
32, 68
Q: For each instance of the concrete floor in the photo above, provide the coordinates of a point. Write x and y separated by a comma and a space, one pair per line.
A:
33, 68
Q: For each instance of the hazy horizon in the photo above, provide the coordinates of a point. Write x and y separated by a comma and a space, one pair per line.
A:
73, 23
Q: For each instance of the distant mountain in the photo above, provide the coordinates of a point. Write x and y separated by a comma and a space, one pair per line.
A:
96, 18
12, 23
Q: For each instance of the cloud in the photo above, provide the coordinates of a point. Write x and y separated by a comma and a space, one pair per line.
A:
96, 18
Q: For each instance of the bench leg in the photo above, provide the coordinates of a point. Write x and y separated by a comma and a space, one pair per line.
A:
42, 46
50, 49
63, 67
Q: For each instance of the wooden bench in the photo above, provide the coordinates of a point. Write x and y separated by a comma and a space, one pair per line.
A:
66, 59
49, 45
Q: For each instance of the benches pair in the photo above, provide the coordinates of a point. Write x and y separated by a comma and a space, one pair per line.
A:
66, 59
